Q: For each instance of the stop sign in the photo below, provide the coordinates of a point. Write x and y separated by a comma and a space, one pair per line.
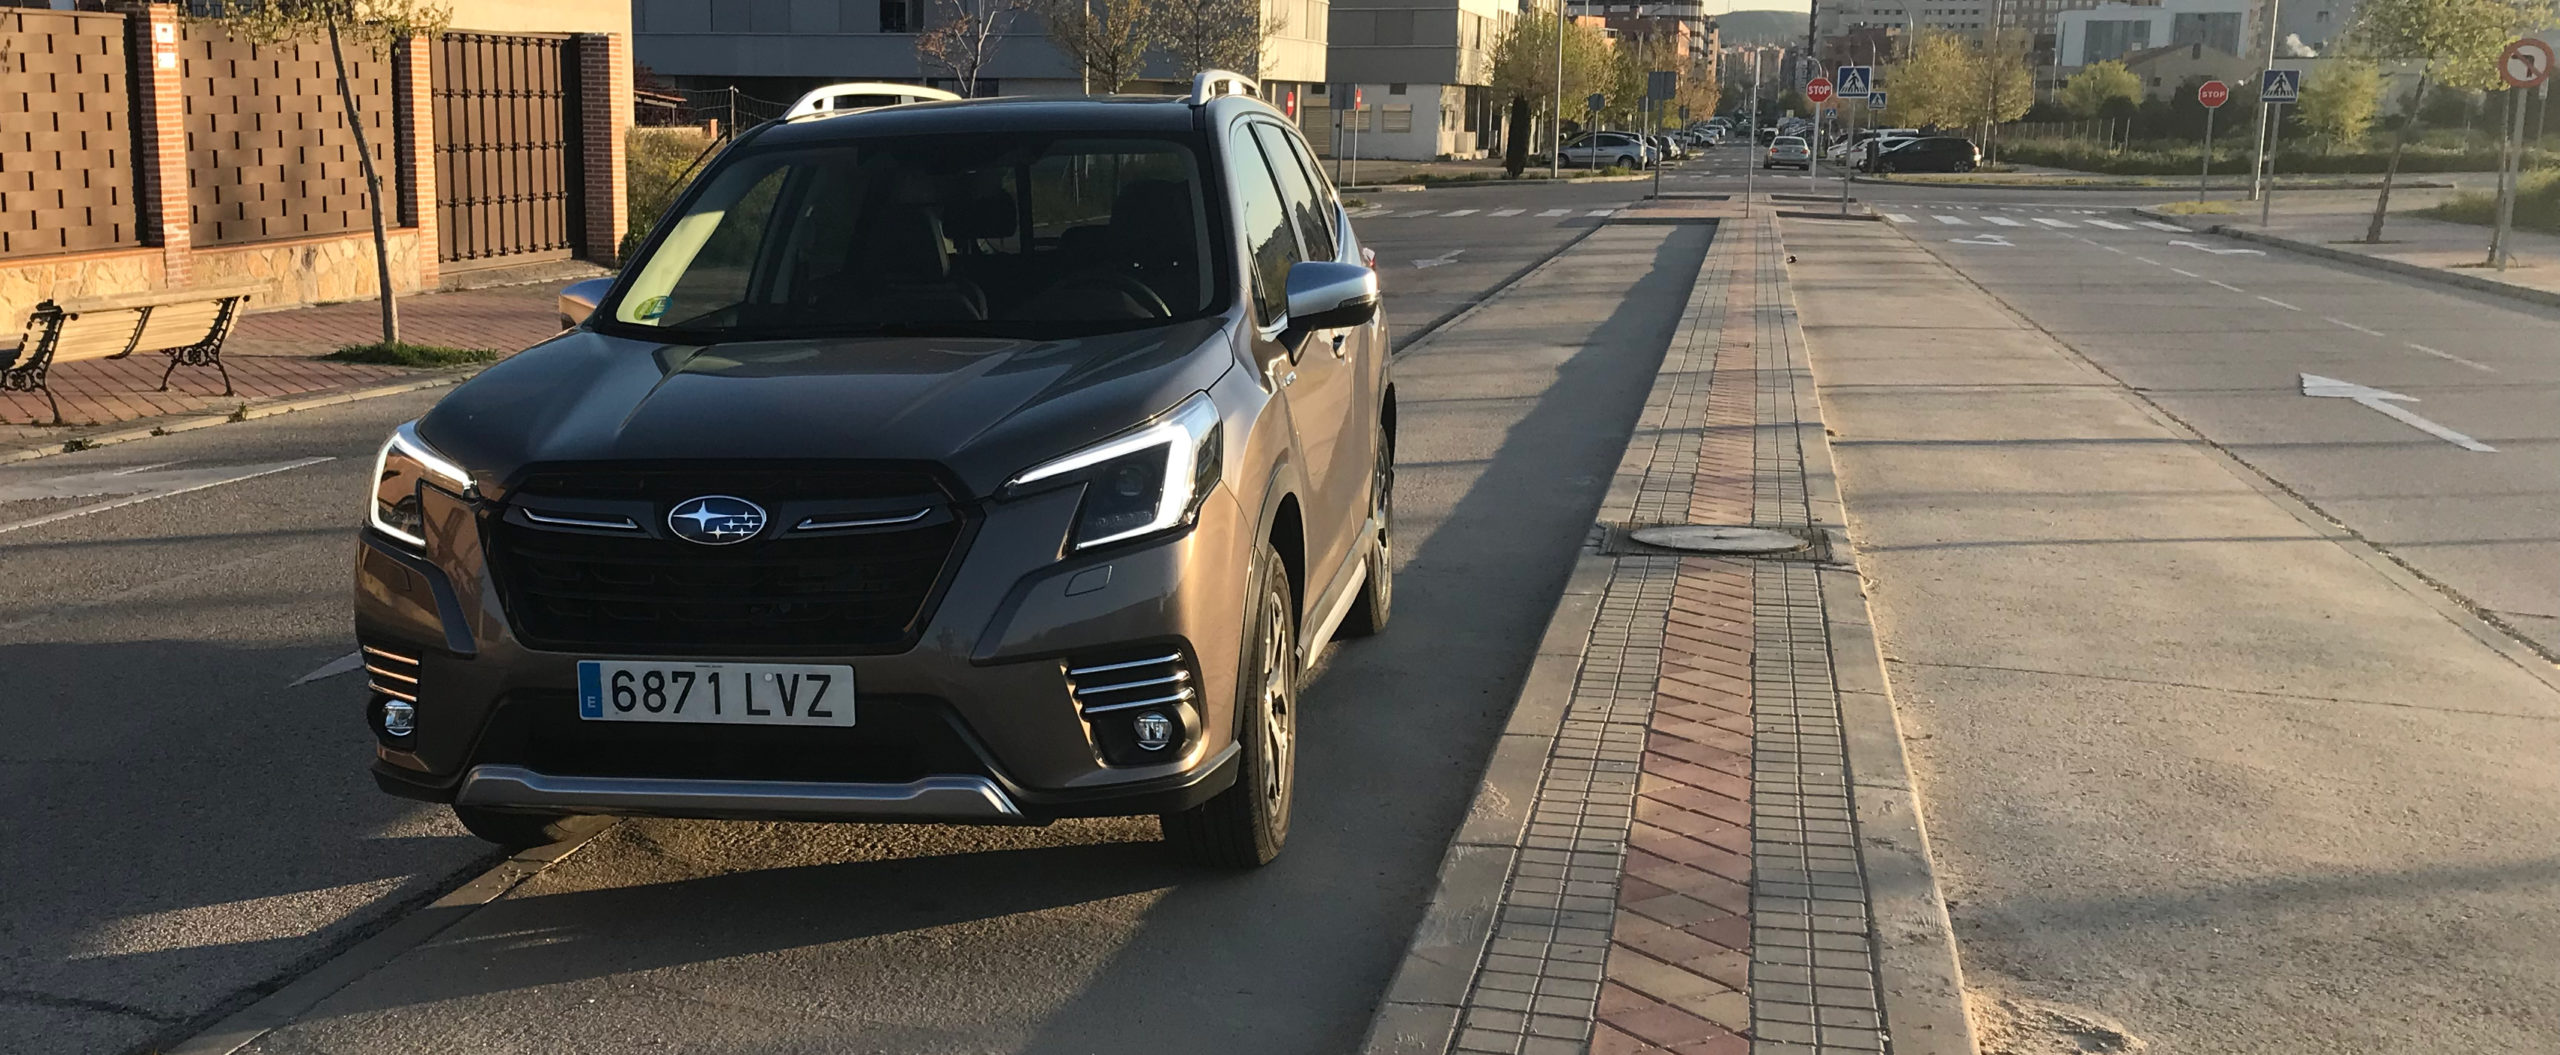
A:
1818, 90
2213, 94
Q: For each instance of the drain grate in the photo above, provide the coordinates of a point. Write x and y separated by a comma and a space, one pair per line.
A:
1788, 542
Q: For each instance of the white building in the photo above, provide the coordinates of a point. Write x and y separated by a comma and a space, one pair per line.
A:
1422, 68
2114, 30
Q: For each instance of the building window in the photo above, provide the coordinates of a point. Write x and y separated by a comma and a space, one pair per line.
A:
893, 17
1395, 89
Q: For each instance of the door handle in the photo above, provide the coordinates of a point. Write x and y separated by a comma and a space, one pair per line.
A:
1340, 349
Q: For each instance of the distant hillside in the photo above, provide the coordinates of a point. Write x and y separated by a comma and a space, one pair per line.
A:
1762, 27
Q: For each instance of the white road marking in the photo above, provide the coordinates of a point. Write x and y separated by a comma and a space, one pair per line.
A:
2184, 271
1899, 218
134, 485
1954, 221
2277, 303
2352, 326
1416, 212
2005, 221
2389, 403
1455, 213
2226, 285
2159, 226
1985, 239
2109, 225
2051, 222
1555, 212
2450, 357
2109, 248
2218, 250
1506, 212
1449, 257
346, 664
1375, 210
2148, 260
1599, 212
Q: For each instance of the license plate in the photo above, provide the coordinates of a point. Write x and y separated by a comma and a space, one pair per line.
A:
611, 690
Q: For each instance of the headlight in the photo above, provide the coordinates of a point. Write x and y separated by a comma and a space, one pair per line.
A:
1143, 482
406, 464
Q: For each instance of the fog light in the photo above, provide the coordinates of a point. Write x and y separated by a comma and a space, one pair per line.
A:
399, 718
1153, 731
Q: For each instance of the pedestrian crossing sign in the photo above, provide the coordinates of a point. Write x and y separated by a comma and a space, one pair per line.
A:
1854, 80
2280, 86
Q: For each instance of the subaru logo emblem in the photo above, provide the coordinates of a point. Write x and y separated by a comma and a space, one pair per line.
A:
716, 520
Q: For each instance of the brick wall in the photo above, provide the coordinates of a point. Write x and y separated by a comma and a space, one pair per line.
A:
604, 84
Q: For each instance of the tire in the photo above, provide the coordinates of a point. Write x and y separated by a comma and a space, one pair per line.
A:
1964, 166
1246, 825
1626, 162
1378, 589
515, 831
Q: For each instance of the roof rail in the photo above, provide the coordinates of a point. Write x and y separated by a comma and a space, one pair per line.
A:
1211, 84
841, 98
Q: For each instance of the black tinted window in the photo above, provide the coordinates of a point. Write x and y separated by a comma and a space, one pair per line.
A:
1314, 231
1266, 228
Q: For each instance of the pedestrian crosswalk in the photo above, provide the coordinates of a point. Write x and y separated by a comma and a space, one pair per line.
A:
1984, 214
1390, 212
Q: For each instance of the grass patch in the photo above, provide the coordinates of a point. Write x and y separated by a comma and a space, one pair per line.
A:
2198, 208
2537, 204
386, 353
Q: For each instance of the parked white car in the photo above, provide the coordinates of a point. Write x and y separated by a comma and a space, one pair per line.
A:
1598, 149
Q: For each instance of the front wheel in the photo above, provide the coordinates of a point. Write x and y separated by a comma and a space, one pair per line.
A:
1964, 166
1245, 825
1626, 162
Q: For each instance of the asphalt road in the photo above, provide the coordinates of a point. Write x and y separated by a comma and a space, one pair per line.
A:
190, 827
2203, 772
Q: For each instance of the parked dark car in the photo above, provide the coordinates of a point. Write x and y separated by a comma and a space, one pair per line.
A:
986, 462
1927, 154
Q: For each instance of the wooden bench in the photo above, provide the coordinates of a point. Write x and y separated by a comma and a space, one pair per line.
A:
186, 325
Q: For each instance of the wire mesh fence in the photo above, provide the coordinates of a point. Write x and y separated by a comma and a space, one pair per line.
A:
721, 111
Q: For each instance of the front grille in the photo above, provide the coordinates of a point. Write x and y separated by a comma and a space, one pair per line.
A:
797, 588
1157, 679
390, 673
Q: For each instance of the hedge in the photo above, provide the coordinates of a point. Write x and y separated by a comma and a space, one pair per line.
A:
2156, 159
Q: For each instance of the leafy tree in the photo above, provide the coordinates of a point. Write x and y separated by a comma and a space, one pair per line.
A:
1216, 34
1933, 85
1524, 71
962, 36
2004, 85
2454, 43
2340, 103
1108, 39
370, 24
2087, 93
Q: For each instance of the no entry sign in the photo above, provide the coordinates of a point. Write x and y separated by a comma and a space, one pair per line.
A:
2213, 94
1818, 90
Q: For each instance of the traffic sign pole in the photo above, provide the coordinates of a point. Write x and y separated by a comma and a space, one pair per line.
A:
2266, 148
2524, 64
1817, 92
2204, 178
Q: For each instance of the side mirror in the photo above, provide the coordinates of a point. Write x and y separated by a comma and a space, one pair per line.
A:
578, 300
1325, 295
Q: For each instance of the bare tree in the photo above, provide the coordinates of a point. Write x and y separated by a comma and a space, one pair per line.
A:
1107, 38
961, 36
370, 24
1217, 34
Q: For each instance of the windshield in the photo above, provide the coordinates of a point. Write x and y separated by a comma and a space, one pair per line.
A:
995, 235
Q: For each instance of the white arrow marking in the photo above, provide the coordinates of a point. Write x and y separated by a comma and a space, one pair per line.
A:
136, 485
1449, 257
346, 664
2387, 402
1985, 239
2217, 250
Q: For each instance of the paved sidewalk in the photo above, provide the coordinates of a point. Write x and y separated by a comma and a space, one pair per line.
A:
272, 358
1666, 854
2333, 226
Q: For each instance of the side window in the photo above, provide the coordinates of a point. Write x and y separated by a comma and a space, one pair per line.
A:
1327, 202
1266, 227
1315, 231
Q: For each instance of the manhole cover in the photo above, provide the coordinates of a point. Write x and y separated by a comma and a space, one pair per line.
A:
1708, 538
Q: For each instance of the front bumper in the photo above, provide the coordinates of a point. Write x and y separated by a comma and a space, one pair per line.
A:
975, 722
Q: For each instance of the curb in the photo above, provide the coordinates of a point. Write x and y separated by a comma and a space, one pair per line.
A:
1418, 1014
400, 932
2438, 275
2169, 185
1512, 183
1917, 967
252, 412
1378, 188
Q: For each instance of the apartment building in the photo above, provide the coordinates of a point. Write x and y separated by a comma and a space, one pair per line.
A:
2114, 30
773, 50
1423, 70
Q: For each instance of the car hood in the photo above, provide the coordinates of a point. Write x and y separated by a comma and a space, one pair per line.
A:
984, 408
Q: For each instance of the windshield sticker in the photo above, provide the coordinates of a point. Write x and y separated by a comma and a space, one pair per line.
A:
652, 308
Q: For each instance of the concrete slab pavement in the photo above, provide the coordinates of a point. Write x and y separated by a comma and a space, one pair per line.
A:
2201, 770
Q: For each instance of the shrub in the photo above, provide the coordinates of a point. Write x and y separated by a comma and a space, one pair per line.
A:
2159, 158
384, 353
658, 163
2537, 204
